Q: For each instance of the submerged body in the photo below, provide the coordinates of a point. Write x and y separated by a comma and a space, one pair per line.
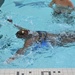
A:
62, 6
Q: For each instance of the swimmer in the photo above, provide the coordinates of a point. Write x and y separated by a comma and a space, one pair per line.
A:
32, 37
62, 6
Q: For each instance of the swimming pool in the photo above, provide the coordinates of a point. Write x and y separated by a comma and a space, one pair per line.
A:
34, 15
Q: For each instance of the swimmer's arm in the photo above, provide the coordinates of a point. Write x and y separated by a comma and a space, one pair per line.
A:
51, 3
21, 51
71, 5
18, 27
26, 45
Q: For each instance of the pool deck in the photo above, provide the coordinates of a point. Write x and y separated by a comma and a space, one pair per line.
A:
50, 71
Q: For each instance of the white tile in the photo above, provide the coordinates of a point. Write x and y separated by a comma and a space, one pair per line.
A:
2, 71
73, 71
11, 71
37, 71
7, 72
11, 74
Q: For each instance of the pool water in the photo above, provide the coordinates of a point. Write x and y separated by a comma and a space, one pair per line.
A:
34, 15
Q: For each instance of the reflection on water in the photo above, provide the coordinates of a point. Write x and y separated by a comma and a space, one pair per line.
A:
34, 4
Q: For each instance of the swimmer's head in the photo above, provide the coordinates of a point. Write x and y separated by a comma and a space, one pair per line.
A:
22, 34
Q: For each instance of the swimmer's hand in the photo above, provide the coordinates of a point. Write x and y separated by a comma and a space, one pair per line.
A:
10, 60
10, 20
17, 55
50, 5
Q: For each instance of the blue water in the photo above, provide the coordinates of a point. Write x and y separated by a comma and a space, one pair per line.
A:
34, 15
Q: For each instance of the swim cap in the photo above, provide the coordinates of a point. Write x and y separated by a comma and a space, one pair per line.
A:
22, 34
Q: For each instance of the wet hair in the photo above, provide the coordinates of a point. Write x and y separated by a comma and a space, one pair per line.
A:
22, 34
